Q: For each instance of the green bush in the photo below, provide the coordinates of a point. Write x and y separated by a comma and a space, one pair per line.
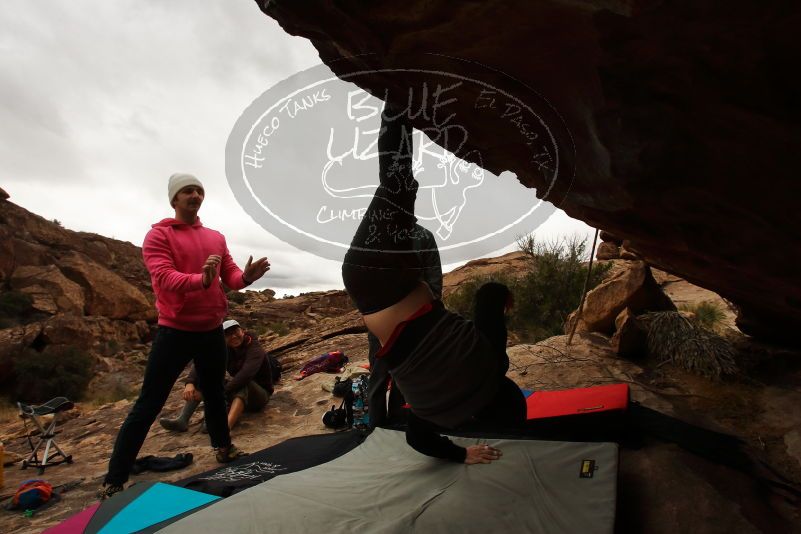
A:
707, 314
676, 339
279, 328
461, 300
62, 371
115, 389
545, 292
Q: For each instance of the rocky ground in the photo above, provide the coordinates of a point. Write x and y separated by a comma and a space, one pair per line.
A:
661, 487
92, 293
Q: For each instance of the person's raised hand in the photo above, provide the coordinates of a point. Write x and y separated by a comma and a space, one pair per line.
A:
482, 454
255, 270
210, 269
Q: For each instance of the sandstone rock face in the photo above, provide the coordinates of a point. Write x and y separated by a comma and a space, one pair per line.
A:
12, 342
673, 110
67, 330
606, 236
634, 288
96, 289
626, 252
486, 267
629, 340
51, 290
38, 241
303, 311
607, 251
107, 294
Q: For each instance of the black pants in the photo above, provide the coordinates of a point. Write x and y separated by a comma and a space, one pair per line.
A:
382, 265
172, 350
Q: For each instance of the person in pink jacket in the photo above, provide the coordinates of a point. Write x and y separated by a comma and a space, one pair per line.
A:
187, 262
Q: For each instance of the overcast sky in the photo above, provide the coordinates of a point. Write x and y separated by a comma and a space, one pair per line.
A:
101, 101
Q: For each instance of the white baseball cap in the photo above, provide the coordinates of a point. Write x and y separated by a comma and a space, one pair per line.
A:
230, 323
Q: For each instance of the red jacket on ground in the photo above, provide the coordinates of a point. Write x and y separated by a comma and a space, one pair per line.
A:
174, 254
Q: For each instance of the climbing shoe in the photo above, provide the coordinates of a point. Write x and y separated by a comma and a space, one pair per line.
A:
107, 490
228, 454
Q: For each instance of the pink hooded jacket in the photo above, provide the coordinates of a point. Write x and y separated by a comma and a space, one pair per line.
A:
174, 254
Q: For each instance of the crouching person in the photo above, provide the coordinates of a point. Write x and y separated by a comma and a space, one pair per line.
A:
250, 386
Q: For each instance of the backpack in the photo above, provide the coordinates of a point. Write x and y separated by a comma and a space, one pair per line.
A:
330, 362
339, 418
275, 367
31, 494
359, 387
341, 387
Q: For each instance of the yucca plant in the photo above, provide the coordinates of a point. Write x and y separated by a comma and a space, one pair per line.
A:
707, 314
676, 339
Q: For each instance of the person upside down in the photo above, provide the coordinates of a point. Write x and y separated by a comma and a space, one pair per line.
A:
451, 371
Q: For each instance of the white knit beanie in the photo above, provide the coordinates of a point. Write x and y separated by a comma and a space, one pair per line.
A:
178, 181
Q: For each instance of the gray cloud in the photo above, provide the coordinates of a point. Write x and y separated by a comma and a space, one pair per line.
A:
100, 102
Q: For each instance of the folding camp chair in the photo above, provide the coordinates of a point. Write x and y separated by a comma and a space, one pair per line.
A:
46, 435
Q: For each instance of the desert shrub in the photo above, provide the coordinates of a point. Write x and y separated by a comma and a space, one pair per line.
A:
15, 305
551, 288
259, 329
461, 300
545, 292
674, 338
116, 389
62, 371
707, 314
278, 327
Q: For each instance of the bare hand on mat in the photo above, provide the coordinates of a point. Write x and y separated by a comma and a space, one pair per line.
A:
481, 454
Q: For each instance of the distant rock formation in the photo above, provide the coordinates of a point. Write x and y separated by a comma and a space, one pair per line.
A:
632, 290
86, 290
483, 267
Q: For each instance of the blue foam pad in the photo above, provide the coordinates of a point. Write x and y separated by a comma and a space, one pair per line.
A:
158, 503
526, 392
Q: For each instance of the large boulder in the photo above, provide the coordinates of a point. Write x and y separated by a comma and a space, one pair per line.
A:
608, 251
66, 330
107, 294
52, 292
629, 339
633, 288
106, 332
683, 116
38, 241
31, 253
513, 262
